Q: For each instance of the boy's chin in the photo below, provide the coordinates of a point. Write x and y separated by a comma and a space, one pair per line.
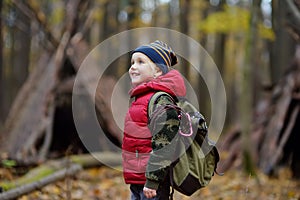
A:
134, 84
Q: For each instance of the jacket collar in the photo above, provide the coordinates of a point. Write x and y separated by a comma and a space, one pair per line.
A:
171, 82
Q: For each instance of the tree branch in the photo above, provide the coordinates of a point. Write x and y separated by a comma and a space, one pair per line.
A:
27, 188
294, 22
37, 15
55, 170
294, 9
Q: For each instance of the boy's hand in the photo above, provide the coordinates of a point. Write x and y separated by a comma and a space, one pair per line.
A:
149, 193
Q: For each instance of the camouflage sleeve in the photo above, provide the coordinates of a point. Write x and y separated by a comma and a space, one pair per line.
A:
164, 127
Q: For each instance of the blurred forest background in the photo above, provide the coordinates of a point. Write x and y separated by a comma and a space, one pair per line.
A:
254, 43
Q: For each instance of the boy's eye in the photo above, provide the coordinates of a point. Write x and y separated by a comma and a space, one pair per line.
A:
139, 61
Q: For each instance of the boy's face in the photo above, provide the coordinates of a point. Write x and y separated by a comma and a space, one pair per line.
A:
142, 69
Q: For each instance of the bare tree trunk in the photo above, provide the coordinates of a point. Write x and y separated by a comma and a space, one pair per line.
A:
21, 50
17, 61
184, 28
283, 47
246, 105
26, 121
110, 26
1, 70
274, 130
110, 22
29, 122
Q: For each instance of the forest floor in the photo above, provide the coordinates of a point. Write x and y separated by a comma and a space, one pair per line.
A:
106, 183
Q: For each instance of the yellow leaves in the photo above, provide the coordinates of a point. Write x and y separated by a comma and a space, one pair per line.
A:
266, 33
98, 14
292, 195
232, 19
108, 183
36, 5
58, 14
94, 172
24, 198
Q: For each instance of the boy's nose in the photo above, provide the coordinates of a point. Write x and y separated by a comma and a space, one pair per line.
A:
132, 67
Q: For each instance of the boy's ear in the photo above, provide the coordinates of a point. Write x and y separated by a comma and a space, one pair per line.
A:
158, 72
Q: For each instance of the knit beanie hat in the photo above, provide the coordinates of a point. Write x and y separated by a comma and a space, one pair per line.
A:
160, 53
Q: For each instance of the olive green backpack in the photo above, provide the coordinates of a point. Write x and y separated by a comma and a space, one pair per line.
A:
198, 157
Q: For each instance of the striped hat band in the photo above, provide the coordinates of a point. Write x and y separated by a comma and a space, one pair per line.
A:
160, 54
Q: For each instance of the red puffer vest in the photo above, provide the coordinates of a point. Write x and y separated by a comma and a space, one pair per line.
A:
136, 144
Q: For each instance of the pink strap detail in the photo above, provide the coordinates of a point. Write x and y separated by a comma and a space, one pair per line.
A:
190, 125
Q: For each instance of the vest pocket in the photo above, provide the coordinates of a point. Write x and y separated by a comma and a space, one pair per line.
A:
135, 162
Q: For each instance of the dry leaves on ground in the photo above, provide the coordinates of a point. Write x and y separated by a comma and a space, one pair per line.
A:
106, 183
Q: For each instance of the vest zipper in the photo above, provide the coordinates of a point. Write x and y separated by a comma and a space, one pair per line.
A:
136, 153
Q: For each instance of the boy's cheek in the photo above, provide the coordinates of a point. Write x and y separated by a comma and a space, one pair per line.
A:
134, 81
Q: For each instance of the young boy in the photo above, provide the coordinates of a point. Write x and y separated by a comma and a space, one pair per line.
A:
146, 159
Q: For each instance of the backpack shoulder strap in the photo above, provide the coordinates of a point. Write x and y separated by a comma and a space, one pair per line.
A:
154, 99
